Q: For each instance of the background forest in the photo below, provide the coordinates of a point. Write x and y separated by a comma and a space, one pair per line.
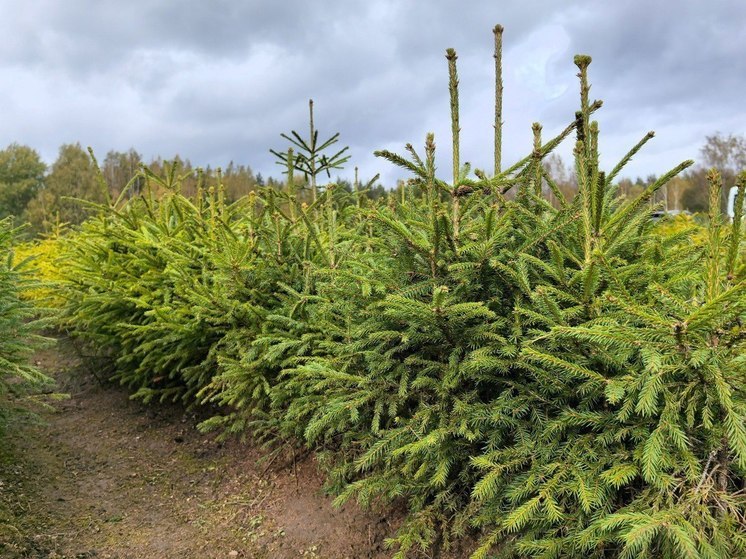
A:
45, 195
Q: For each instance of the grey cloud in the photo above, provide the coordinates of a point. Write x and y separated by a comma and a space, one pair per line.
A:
219, 80
675, 67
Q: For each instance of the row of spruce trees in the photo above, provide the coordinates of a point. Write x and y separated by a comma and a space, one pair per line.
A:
550, 380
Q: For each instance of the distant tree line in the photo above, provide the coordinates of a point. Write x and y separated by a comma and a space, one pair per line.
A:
46, 197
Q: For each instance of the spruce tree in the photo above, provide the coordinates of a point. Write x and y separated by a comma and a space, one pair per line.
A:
19, 331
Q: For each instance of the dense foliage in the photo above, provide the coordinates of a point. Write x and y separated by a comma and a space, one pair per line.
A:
565, 379
18, 331
21, 178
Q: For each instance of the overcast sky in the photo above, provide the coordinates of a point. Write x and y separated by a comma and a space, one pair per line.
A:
219, 80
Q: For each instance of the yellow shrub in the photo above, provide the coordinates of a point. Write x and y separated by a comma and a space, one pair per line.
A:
673, 226
41, 260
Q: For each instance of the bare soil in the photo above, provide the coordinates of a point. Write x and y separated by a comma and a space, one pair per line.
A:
102, 476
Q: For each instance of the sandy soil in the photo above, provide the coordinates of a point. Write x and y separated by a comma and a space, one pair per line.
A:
105, 477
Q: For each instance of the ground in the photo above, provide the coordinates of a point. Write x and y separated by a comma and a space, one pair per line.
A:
103, 476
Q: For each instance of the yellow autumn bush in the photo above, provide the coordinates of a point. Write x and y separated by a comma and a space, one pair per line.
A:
683, 224
42, 262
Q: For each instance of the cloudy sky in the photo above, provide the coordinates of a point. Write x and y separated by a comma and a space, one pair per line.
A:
219, 80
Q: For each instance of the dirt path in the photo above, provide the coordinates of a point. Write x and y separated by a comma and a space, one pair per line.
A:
106, 477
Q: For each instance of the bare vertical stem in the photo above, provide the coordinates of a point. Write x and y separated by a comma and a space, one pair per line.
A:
582, 61
432, 200
312, 161
291, 182
221, 193
200, 194
455, 130
538, 175
596, 187
713, 265
498, 31
581, 172
212, 206
252, 207
331, 224
584, 161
